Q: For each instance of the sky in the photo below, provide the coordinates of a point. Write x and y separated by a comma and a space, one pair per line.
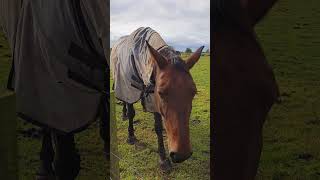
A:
181, 23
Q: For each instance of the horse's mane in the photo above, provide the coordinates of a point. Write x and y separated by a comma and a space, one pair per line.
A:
173, 56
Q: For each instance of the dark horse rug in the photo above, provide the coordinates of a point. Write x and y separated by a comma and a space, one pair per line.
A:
132, 67
59, 59
217, 10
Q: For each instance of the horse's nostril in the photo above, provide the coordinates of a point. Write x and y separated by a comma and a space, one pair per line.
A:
178, 158
172, 155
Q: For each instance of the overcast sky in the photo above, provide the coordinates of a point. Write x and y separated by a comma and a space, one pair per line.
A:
181, 23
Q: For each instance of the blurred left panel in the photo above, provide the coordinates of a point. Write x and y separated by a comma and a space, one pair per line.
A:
54, 89
8, 123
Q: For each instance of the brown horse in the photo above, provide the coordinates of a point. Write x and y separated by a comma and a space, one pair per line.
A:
174, 90
244, 89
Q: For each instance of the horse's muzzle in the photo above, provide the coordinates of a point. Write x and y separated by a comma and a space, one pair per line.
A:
178, 158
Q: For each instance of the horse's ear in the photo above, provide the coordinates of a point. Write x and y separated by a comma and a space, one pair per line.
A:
160, 60
193, 59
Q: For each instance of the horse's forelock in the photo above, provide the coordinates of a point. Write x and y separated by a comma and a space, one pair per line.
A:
174, 57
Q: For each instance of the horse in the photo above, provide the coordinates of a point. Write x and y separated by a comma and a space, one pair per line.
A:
145, 68
244, 89
59, 74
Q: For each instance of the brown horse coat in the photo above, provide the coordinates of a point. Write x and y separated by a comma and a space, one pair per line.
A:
244, 91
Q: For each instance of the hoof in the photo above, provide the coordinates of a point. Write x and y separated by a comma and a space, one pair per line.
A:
131, 140
165, 166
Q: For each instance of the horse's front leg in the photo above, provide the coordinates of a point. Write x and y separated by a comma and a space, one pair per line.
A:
46, 157
67, 159
131, 113
165, 164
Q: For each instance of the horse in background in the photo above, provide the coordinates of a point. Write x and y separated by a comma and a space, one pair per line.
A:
244, 89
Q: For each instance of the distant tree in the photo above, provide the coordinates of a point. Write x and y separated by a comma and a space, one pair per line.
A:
188, 50
208, 51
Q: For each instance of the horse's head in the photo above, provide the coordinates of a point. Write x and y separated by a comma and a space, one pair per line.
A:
174, 92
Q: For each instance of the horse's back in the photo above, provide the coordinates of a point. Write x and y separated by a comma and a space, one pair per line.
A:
131, 57
114, 55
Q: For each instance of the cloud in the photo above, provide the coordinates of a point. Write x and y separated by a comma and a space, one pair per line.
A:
181, 23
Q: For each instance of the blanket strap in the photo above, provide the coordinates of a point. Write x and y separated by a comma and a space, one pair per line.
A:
138, 82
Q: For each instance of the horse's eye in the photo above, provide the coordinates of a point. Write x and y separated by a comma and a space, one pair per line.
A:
163, 94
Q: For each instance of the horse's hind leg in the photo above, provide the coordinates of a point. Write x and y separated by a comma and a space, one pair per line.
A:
124, 112
165, 164
131, 113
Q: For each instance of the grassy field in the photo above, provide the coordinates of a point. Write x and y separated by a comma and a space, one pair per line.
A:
290, 36
142, 160
5, 62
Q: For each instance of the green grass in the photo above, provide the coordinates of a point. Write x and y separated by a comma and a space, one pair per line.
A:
291, 40
8, 145
5, 63
143, 161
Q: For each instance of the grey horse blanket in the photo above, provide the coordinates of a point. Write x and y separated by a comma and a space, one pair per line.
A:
45, 75
131, 63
